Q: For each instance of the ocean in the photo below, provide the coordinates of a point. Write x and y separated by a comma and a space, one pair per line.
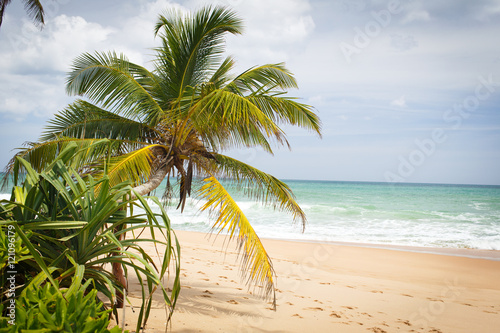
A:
424, 215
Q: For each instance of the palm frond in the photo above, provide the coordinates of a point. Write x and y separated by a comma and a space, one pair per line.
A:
287, 110
3, 5
82, 119
228, 119
35, 11
261, 186
135, 166
192, 45
256, 266
275, 76
42, 154
112, 81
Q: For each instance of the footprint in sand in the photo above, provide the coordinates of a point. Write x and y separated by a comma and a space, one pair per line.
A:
377, 330
289, 303
407, 295
206, 279
232, 302
208, 296
208, 292
335, 314
406, 322
297, 315
350, 307
377, 291
200, 272
435, 300
314, 308
327, 283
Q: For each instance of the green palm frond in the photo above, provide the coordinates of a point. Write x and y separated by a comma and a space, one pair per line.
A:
256, 267
221, 75
42, 154
287, 110
255, 79
112, 81
232, 120
192, 45
35, 11
262, 186
82, 119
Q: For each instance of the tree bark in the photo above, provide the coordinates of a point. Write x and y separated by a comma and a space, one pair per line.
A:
153, 182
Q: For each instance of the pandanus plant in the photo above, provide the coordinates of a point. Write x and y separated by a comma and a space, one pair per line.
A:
71, 231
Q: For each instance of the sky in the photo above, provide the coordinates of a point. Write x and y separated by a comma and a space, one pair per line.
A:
407, 91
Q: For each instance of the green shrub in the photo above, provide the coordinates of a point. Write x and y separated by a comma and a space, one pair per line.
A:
47, 309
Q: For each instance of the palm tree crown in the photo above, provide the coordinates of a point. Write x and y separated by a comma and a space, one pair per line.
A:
177, 119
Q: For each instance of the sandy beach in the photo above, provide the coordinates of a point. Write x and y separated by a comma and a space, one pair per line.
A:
333, 288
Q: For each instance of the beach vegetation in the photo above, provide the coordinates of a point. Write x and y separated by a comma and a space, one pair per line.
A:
172, 123
49, 308
69, 235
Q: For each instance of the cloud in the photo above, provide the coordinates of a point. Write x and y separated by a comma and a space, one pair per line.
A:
400, 102
273, 30
403, 43
417, 15
52, 49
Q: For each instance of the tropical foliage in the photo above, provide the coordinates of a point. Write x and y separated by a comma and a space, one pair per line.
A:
174, 121
71, 233
47, 308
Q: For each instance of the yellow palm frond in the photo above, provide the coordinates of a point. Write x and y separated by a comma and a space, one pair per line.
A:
256, 266
135, 166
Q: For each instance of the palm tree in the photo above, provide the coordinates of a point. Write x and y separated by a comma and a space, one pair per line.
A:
175, 120
33, 8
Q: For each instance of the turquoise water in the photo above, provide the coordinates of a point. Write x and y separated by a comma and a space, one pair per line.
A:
429, 215
455, 216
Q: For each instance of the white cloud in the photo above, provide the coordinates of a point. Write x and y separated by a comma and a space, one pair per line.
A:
273, 30
417, 15
400, 102
53, 49
403, 43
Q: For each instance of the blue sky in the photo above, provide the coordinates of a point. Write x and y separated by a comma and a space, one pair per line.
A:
408, 91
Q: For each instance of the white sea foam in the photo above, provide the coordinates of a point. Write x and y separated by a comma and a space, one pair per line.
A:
412, 215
